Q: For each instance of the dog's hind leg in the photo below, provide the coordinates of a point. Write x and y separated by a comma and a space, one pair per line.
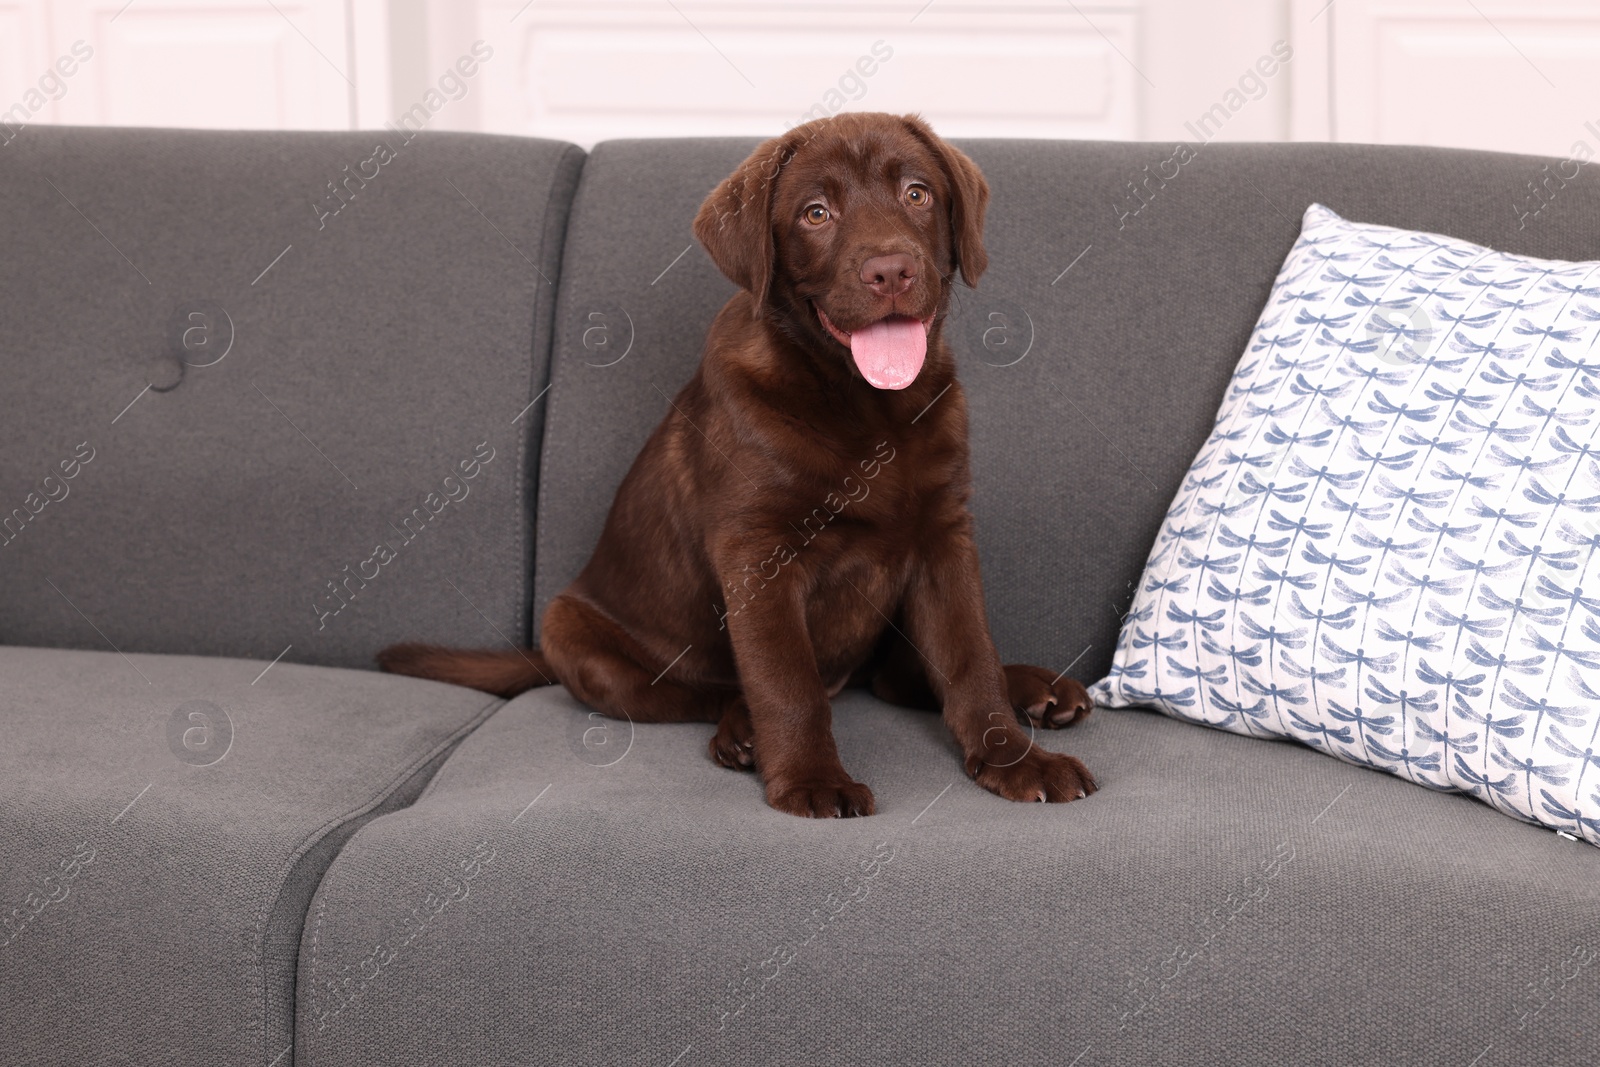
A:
1047, 698
605, 667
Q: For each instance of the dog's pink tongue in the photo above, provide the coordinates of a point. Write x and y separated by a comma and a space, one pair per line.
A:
889, 353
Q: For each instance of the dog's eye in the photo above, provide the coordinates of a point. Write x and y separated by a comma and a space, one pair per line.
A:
918, 195
816, 214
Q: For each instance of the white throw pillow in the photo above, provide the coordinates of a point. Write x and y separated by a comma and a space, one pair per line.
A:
1389, 547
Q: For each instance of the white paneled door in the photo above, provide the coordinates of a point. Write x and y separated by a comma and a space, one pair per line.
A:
585, 70
28, 80
1513, 75
227, 63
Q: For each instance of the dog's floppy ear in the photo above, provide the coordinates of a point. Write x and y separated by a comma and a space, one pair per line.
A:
735, 222
969, 198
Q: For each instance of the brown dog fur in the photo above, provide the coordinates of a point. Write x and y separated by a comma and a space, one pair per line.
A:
789, 529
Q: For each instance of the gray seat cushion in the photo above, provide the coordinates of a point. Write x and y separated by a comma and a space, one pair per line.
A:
366, 364
1220, 901
164, 821
1090, 390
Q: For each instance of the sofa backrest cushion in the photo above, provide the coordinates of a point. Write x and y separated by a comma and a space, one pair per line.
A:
236, 364
636, 295
1123, 282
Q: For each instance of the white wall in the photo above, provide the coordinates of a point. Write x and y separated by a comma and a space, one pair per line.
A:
1519, 75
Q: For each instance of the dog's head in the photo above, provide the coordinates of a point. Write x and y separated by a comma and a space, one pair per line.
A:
850, 230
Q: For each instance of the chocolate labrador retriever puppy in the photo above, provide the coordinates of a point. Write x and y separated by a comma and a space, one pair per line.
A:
810, 485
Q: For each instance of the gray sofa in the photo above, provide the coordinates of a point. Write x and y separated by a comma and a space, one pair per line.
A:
295, 436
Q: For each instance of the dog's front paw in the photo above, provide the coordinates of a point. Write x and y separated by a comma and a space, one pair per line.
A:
822, 798
1037, 776
1049, 700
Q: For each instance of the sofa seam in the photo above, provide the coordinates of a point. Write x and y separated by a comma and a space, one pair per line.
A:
544, 453
528, 510
315, 836
316, 938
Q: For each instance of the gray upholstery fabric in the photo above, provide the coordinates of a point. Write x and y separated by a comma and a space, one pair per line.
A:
1353, 918
1080, 439
366, 364
155, 868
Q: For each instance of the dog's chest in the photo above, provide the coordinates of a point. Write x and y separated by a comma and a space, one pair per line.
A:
851, 605
861, 558
856, 537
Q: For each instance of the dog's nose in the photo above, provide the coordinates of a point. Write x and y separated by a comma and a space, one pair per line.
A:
889, 275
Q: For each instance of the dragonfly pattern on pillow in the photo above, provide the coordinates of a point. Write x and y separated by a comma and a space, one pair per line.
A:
1389, 546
